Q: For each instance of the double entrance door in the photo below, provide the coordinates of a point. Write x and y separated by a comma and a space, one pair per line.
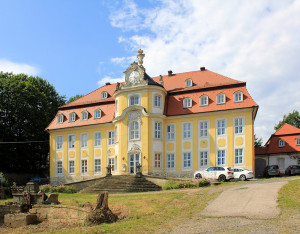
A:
134, 160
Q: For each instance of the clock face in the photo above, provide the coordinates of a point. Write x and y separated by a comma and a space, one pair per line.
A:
134, 76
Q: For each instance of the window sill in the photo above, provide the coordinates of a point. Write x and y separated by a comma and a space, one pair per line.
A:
238, 101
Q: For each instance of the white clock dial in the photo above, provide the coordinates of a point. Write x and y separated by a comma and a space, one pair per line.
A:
134, 76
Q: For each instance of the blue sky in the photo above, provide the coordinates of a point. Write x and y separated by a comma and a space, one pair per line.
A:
79, 45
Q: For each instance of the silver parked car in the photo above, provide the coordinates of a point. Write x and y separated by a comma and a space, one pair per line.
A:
215, 173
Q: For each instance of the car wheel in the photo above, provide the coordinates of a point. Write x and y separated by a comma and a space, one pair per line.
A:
243, 178
222, 178
198, 176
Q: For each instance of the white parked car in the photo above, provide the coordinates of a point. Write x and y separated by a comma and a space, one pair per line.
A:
215, 173
242, 174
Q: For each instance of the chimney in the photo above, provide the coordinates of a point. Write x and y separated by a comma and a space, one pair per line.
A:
170, 73
202, 68
107, 83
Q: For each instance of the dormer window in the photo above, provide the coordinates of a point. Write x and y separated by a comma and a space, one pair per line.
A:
221, 98
104, 95
134, 100
281, 143
238, 96
60, 118
72, 117
97, 114
84, 115
188, 83
204, 100
298, 141
187, 102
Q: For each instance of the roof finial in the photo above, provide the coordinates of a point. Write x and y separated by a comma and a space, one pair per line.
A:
140, 57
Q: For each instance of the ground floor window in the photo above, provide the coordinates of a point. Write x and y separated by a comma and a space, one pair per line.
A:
187, 160
59, 168
203, 159
171, 161
157, 160
221, 157
83, 166
71, 167
111, 162
239, 156
97, 165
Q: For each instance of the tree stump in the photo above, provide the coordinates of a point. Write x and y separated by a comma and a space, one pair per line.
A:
102, 201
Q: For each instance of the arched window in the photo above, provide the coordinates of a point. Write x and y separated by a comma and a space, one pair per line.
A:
134, 130
188, 83
60, 118
97, 114
221, 98
187, 102
157, 101
84, 115
204, 100
72, 117
104, 95
238, 96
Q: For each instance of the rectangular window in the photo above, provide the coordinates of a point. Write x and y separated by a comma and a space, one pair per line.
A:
171, 161
59, 142
134, 100
71, 141
238, 156
71, 167
221, 127
171, 132
97, 138
187, 130
83, 166
281, 143
157, 130
297, 141
157, 101
111, 162
221, 157
187, 160
116, 106
204, 129
59, 167
203, 159
238, 125
97, 165
84, 139
111, 137
157, 159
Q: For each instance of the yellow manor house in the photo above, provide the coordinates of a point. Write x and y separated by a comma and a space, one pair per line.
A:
171, 125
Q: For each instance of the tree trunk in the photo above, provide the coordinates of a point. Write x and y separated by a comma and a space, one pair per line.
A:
102, 201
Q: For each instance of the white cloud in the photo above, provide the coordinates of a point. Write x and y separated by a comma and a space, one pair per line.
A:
109, 79
253, 41
16, 68
123, 61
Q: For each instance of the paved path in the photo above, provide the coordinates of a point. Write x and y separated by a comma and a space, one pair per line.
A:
255, 201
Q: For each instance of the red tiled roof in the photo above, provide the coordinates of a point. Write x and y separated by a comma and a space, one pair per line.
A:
204, 82
287, 129
261, 150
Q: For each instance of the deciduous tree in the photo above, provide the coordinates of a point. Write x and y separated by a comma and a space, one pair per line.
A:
292, 119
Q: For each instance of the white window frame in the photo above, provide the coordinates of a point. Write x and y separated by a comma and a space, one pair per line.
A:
97, 139
104, 95
72, 117
84, 167
111, 137
135, 99
187, 131
157, 100
70, 141
188, 83
98, 114
157, 162
60, 118
96, 166
221, 98
187, 102
171, 161
59, 168
220, 129
203, 128
281, 143
71, 167
134, 131
203, 155
239, 156
184, 159
59, 142
171, 135
297, 141
239, 125
238, 96
82, 140
157, 130
84, 115
204, 97
113, 165
222, 157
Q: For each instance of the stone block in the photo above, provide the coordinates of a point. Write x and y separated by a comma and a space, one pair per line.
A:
19, 220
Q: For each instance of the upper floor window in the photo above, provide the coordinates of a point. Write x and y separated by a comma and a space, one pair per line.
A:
116, 106
171, 132
59, 142
281, 143
111, 137
187, 102
84, 139
60, 118
104, 95
97, 138
134, 131
221, 128
238, 125
204, 100
97, 114
157, 130
157, 100
134, 100
187, 130
297, 141
204, 129
188, 83
238, 96
221, 98
84, 115
72, 117
71, 141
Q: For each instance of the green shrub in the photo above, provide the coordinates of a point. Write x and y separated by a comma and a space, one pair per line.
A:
171, 184
47, 188
203, 182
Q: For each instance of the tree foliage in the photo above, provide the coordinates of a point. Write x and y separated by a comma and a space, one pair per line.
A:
258, 142
292, 119
27, 106
71, 99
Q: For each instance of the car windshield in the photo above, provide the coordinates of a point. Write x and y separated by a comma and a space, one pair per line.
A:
273, 167
229, 169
